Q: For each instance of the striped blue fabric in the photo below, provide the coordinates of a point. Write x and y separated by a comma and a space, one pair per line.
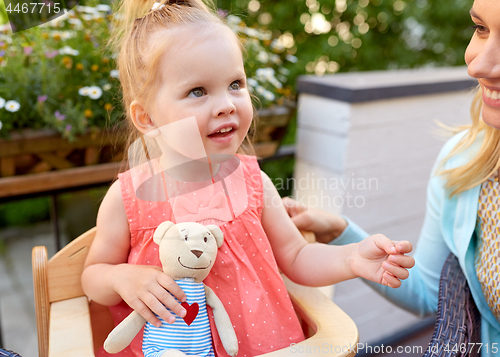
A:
195, 339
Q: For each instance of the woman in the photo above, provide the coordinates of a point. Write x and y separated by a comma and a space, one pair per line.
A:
463, 213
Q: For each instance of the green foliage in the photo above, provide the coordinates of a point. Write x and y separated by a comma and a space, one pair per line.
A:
59, 76
21, 213
358, 35
3, 14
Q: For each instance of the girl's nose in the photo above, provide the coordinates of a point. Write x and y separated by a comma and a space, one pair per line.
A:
486, 63
224, 106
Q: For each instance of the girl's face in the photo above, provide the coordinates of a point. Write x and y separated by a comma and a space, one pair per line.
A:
202, 76
483, 57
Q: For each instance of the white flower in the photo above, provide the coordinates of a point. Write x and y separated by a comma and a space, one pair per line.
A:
103, 7
277, 46
66, 50
276, 83
291, 58
64, 35
251, 32
95, 92
2, 102
84, 91
264, 74
6, 38
77, 23
284, 71
114, 73
260, 90
276, 59
157, 5
233, 20
87, 9
98, 15
106, 87
252, 82
263, 56
87, 17
1, 125
12, 106
268, 95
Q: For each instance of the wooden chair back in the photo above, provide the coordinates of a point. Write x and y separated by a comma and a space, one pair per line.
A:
68, 325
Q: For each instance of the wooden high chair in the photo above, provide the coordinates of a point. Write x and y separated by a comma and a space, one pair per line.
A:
68, 326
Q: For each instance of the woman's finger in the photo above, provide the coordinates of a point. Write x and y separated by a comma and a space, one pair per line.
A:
292, 206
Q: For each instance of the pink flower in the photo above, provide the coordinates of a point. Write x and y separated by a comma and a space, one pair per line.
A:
51, 54
68, 127
28, 50
42, 98
221, 13
61, 117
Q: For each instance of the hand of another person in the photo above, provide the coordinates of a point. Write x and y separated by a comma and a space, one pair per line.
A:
149, 291
326, 226
379, 259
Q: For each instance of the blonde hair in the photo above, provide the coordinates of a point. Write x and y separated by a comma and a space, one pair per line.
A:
484, 163
139, 58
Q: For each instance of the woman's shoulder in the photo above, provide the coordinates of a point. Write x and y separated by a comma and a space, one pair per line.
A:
464, 155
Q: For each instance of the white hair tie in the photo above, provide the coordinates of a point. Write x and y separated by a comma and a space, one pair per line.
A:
157, 6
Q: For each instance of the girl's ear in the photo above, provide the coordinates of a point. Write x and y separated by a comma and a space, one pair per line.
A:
141, 119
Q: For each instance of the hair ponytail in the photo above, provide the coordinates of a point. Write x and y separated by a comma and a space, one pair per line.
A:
127, 11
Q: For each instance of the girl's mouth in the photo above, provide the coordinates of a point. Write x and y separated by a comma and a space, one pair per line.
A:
222, 133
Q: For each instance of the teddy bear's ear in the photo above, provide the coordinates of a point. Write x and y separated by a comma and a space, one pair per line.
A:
161, 230
219, 237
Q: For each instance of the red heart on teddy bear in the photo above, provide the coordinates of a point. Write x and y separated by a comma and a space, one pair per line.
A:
192, 312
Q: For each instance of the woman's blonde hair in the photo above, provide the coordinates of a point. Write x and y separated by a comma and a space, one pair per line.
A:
140, 52
486, 161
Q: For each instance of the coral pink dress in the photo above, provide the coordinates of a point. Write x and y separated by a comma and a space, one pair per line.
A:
245, 275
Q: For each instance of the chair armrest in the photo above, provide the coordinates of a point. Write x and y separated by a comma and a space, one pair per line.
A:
41, 291
70, 332
336, 334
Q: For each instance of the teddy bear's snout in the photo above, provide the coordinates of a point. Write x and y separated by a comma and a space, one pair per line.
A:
198, 253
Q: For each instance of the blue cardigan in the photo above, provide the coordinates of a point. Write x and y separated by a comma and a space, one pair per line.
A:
448, 227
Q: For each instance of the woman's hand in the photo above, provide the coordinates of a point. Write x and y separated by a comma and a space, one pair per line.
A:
379, 259
326, 226
149, 291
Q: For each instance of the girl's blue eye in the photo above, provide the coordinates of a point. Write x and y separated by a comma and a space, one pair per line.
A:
197, 92
235, 85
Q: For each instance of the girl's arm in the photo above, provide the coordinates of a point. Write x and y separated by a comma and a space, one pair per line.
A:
107, 278
319, 264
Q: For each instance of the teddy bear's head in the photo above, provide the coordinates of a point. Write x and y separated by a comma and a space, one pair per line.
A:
187, 250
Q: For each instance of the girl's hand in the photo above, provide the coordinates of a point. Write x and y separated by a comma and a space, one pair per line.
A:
326, 226
148, 290
379, 259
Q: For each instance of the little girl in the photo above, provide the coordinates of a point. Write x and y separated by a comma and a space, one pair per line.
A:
180, 64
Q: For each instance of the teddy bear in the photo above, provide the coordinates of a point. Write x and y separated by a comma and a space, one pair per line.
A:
187, 253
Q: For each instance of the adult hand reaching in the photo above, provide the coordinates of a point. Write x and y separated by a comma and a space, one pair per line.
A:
326, 226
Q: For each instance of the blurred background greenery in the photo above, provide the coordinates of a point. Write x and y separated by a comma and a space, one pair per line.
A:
330, 36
